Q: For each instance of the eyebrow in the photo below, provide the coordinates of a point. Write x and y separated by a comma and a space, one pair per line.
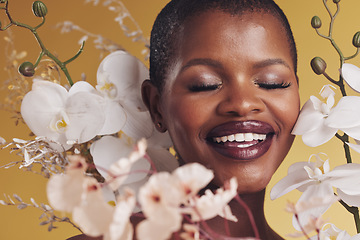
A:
216, 64
270, 62
202, 61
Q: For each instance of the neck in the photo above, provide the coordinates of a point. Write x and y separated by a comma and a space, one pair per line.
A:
244, 227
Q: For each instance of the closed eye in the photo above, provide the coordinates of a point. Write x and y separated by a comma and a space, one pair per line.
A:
270, 86
204, 87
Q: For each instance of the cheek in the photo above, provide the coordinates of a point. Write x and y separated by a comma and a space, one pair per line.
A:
286, 109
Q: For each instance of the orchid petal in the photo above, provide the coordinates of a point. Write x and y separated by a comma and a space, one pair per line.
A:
317, 190
345, 114
115, 118
351, 200
163, 159
326, 91
193, 177
308, 120
319, 136
40, 105
93, 215
120, 227
351, 75
107, 151
138, 124
352, 132
127, 73
160, 140
82, 86
289, 183
86, 116
154, 230
355, 147
64, 191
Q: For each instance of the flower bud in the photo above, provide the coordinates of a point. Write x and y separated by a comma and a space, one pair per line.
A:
316, 22
39, 9
318, 65
356, 40
336, 1
27, 69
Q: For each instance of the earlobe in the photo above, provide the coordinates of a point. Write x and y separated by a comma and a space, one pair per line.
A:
151, 98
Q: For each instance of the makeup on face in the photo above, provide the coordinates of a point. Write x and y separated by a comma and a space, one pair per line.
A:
233, 100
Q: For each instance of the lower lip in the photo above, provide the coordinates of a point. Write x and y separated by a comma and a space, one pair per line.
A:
230, 149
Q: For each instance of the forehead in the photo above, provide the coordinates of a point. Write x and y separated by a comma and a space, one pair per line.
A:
252, 33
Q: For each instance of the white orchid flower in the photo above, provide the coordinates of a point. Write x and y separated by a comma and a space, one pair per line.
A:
311, 122
330, 231
119, 79
345, 116
318, 122
63, 116
351, 75
315, 179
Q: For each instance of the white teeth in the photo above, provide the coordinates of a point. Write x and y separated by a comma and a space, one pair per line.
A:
241, 137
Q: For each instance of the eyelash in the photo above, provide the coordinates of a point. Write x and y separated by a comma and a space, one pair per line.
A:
204, 87
210, 87
270, 86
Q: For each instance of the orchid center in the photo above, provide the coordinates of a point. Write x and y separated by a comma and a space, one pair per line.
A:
107, 88
60, 123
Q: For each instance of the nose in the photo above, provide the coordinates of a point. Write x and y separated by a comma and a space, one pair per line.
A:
241, 99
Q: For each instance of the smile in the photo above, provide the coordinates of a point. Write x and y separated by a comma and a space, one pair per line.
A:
241, 140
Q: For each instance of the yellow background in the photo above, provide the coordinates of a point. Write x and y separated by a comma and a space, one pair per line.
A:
24, 224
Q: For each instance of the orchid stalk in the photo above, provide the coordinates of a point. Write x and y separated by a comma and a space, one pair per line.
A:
27, 68
319, 66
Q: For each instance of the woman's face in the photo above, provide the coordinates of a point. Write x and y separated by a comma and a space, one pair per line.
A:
231, 99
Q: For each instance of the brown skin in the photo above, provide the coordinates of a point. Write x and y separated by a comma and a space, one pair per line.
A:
239, 53
239, 49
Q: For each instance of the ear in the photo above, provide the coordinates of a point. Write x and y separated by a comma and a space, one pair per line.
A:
151, 98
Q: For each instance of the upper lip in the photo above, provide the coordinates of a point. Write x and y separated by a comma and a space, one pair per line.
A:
251, 126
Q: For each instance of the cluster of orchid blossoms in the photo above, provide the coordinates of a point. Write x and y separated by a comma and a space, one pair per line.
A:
82, 114
164, 199
67, 118
318, 122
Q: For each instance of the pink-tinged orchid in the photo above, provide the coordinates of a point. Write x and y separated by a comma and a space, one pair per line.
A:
330, 231
64, 190
351, 75
63, 116
211, 205
119, 79
129, 168
93, 215
191, 178
311, 122
115, 157
160, 200
120, 227
315, 179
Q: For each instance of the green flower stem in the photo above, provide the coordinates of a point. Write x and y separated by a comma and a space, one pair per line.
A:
44, 50
355, 212
354, 55
77, 54
329, 78
345, 139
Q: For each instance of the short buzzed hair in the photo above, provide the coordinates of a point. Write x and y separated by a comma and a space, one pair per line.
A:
167, 29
